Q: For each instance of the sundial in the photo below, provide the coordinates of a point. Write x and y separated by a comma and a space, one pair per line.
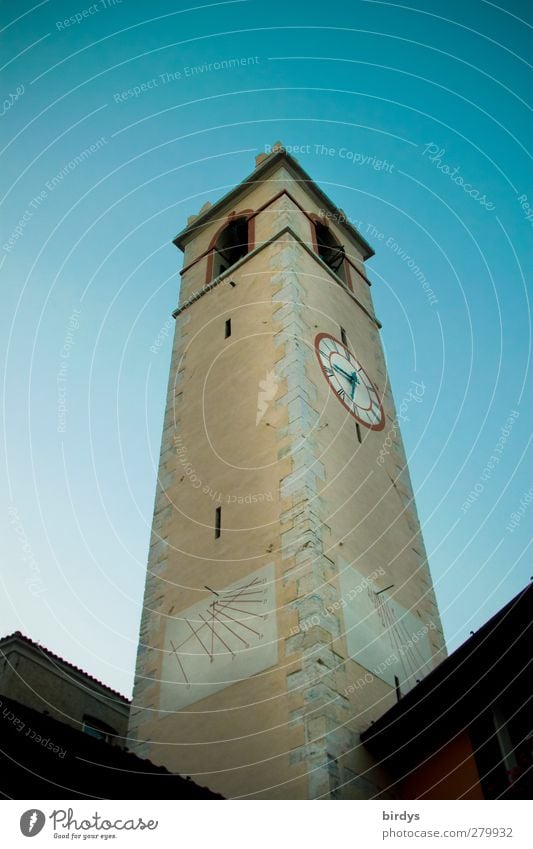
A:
384, 637
226, 637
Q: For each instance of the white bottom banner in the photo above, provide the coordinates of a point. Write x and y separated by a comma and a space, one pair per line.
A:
195, 823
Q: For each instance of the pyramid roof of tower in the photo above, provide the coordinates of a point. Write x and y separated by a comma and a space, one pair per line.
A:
266, 164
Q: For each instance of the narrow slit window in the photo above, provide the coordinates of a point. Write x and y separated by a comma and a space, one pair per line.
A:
218, 521
358, 431
397, 687
344, 337
227, 330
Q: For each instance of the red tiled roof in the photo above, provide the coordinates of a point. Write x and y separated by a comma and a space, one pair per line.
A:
55, 657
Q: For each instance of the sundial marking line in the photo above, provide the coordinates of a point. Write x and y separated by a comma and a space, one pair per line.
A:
197, 637
407, 657
389, 619
371, 595
241, 623
241, 594
234, 594
212, 637
384, 613
239, 598
241, 601
246, 586
213, 632
180, 665
181, 644
225, 624
409, 663
393, 626
240, 610
412, 650
186, 640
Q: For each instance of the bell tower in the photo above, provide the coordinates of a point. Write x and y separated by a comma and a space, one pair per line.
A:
288, 599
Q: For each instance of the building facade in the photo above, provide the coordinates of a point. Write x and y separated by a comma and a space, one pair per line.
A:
288, 598
32, 675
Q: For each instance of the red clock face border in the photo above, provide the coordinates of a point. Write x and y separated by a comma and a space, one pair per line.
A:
368, 382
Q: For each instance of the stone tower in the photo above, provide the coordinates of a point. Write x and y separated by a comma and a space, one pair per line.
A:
288, 598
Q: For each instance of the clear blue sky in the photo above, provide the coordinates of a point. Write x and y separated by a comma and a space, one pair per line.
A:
86, 261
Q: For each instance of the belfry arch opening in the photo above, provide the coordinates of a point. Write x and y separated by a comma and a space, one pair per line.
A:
231, 245
330, 250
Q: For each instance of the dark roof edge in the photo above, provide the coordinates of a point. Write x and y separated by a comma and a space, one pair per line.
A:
120, 758
259, 172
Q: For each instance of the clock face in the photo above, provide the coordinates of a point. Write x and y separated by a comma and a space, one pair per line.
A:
349, 381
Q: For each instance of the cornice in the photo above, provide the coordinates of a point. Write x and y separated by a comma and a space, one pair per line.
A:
227, 275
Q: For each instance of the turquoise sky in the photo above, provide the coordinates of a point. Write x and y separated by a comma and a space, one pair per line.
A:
414, 119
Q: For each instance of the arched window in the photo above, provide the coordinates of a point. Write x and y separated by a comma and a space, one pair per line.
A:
231, 245
330, 250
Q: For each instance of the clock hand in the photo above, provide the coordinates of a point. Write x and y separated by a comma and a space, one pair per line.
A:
345, 373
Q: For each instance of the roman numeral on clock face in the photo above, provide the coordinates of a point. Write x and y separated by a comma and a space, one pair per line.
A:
329, 346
